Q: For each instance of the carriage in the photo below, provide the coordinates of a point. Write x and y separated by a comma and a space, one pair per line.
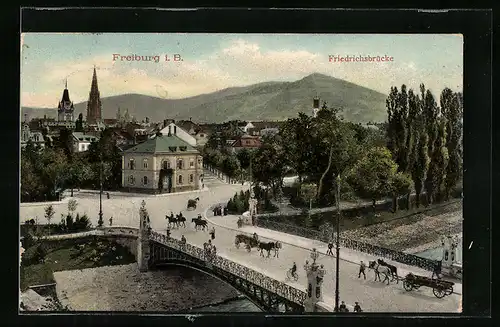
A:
440, 288
250, 241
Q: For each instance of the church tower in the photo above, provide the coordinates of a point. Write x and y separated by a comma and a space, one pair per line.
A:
65, 109
94, 104
315, 108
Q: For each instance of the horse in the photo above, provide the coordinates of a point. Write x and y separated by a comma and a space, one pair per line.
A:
172, 221
394, 269
249, 241
181, 220
268, 246
199, 222
192, 203
379, 269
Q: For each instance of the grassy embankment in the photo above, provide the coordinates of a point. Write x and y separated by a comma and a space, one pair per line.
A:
88, 252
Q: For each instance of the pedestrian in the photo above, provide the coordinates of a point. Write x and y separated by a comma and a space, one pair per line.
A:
183, 239
357, 308
343, 307
111, 221
362, 268
330, 247
107, 194
168, 231
212, 233
437, 270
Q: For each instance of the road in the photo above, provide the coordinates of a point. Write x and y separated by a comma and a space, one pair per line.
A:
372, 296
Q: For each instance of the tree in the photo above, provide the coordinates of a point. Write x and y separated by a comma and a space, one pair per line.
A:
55, 169
65, 142
372, 175
420, 165
401, 184
268, 166
75, 174
431, 114
72, 205
49, 212
439, 163
79, 123
244, 157
397, 112
230, 166
309, 192
451, 106
31, 185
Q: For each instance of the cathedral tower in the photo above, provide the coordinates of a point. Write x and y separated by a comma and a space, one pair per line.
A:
94, 106
315, 108
65, 109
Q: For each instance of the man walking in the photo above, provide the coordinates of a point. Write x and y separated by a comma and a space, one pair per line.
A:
362, 268
330, 247
437, 271
111, 221
357, 307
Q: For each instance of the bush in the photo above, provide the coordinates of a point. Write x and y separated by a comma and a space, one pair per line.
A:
40, 253
28, 240
69, 222
82, 223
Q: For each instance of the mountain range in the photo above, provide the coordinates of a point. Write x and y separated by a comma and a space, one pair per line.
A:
262, 101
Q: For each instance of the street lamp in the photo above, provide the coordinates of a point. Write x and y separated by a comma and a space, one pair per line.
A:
337, 247
100, 222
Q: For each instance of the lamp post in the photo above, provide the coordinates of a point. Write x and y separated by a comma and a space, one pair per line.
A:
100, 221
337, 247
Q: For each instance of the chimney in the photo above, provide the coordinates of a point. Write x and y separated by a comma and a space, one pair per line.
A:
175, 130
169, 131
316, 103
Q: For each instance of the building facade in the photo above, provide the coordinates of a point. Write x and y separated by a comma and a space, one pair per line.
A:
65, 109
164, 164
81, 141
179, 132
94, 106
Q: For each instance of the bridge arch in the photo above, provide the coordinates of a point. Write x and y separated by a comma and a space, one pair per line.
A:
208, 272
264, 298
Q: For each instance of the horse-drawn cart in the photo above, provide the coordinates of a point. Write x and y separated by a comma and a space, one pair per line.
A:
440, 288
249, 241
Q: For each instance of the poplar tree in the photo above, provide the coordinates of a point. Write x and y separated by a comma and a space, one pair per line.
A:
451, 106
430, 114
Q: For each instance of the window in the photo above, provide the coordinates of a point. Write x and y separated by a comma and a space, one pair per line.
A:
166, 164
180, 164
131, 180
191, 178
180, 179
145, 163
131, 164
202, 135
145, 180
191, 163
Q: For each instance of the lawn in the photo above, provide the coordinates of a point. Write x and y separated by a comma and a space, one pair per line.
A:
71, 254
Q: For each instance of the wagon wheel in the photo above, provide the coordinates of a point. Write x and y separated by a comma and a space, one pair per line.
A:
449, 290
439, 292
407, 285
416, 286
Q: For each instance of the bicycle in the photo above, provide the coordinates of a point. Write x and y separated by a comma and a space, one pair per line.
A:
292, 275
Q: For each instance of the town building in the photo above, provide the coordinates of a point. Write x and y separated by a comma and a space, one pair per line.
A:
179, 132
94, 106
65, 109
163, 164
246, 142
27, 135
315, 107
81, 141
195, 131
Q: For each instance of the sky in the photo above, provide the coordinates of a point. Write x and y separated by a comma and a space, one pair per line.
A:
212, 62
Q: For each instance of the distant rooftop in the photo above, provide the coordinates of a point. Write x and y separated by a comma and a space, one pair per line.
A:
163, 144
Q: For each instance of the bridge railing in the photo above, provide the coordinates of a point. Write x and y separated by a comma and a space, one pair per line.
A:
326, 236
286, 291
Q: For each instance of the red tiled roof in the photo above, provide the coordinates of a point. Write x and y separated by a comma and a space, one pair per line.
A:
247, 141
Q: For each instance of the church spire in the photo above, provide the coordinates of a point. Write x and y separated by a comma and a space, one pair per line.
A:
66, 84
94, 104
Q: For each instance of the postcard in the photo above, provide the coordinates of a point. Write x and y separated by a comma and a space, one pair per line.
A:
189, 173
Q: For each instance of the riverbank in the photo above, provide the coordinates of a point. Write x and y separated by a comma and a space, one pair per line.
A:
416, 233
124, 288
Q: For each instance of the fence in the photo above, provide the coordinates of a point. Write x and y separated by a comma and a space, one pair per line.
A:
326, 236
277, 287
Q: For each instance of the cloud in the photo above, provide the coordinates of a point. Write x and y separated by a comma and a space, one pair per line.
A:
240, 63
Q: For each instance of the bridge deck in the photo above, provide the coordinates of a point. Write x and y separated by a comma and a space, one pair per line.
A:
373, 296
